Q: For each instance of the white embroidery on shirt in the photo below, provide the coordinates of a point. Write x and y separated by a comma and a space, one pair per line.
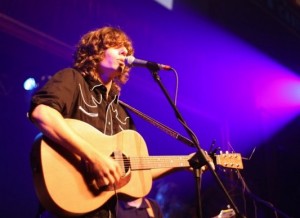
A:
94, 100
121, 128
117, 114
109, 110
88, 113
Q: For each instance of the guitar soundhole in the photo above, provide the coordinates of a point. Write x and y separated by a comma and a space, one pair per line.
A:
125, 166
123, 161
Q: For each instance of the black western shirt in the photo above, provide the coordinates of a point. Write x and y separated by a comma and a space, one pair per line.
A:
83, 98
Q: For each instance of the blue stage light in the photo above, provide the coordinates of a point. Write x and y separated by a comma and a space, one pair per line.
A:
30, 84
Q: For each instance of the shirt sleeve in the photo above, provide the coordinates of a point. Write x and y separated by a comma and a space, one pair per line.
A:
58, 92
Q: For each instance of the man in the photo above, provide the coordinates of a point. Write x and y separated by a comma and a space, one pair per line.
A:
89, 92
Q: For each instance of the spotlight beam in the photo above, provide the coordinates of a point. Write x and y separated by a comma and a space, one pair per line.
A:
35, 37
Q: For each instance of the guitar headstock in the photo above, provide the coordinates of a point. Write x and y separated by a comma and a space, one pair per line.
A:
229, 160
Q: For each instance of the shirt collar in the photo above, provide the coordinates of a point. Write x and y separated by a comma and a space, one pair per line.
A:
97, 87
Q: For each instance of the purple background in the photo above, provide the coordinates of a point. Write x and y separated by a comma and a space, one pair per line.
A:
238, 85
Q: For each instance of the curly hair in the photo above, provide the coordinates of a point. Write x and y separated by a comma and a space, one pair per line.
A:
91, 47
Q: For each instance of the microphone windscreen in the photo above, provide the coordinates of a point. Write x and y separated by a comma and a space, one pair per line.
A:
129, 60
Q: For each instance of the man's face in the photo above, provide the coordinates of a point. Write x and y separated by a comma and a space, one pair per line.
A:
113, 61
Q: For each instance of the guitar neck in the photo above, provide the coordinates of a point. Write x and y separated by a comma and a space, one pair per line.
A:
227, 160
154, 162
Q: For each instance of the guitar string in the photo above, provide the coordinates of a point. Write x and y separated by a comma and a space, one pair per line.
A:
147, 162
165, 158
164, 161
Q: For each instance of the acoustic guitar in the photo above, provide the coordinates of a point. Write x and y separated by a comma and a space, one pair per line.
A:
64, 186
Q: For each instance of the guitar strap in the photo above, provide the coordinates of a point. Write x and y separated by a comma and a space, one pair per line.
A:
159, 125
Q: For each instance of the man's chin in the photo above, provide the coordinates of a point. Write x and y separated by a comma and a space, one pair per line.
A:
121, 68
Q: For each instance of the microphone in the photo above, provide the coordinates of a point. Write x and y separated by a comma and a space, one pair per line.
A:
132, 61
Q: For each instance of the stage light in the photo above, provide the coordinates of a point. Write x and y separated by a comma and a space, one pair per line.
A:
166, 3
30, 84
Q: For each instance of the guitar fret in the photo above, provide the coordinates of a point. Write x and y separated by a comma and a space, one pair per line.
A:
158, 162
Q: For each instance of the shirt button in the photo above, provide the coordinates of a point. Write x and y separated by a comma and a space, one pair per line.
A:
108, 123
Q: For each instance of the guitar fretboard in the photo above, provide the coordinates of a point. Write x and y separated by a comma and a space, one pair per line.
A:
143, 163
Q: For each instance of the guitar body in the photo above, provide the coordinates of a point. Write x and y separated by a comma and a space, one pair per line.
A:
59, 177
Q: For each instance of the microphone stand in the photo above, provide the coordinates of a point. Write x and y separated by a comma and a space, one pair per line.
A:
201, 158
